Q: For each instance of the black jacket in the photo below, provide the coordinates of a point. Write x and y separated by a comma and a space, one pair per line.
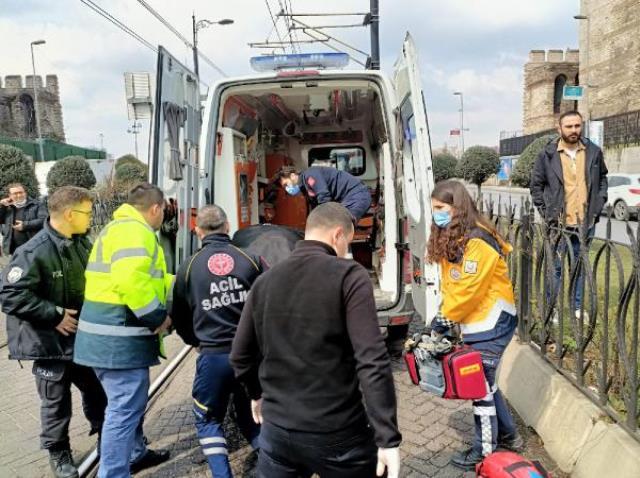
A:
35, 214
547, 189
309, 344
322, 184
43, 277
210, 291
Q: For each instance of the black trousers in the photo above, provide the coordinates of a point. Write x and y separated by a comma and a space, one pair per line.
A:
53, 380
289, 454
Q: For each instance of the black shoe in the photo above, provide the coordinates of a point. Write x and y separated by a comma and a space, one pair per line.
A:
62, 464
514, 443
150, 459
466, 459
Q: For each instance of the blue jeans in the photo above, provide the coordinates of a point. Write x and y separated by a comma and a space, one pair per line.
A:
122, 437
574, 243
493, 420
214, 383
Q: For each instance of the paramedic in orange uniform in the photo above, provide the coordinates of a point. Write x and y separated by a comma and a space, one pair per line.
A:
477, 295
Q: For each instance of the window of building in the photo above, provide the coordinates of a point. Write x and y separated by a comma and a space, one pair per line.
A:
561, 80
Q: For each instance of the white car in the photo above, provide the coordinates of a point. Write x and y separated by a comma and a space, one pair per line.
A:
624, 194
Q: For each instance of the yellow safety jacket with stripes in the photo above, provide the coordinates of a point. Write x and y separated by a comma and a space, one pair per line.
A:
476, 290
125, 296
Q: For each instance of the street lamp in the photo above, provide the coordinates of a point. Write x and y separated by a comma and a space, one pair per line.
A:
459, 93
135, 131
35, 95
197, 26
586, 65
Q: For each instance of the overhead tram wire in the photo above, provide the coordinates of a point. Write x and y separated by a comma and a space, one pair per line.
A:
177, 33
273, 20
103, 13
283, 9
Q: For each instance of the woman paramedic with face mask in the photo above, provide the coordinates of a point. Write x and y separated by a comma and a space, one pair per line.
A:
478, 296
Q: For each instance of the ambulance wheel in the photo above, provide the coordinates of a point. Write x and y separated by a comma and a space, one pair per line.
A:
396, 336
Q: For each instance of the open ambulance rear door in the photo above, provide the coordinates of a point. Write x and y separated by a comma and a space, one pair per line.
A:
417, 176
173, 165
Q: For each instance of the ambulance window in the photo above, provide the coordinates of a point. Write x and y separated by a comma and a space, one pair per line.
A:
350, 159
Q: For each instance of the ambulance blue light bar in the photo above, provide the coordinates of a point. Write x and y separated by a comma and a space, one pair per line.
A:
302, 60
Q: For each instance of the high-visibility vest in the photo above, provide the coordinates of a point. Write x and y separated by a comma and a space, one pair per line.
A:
125, 296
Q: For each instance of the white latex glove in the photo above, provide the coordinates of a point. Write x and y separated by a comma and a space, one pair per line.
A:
388, 458
256, 410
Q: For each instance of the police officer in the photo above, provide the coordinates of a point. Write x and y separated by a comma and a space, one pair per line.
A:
322, 184
120, 327
42, 292
210, 292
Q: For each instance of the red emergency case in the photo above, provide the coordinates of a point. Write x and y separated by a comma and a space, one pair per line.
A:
464, 374
410, 360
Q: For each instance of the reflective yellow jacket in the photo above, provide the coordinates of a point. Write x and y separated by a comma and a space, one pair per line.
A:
476, 290
125, 297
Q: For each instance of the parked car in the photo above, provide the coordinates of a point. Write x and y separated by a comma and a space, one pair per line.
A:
624, 195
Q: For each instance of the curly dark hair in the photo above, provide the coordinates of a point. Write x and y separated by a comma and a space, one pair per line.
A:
449, 242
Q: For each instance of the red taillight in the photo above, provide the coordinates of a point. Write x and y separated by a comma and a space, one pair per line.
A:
292, 73
400, 320
634, 190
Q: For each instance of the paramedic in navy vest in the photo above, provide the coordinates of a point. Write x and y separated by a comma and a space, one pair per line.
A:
321, 184
477, 295
210, 291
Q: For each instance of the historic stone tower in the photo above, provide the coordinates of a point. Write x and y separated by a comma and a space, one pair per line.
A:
17, 108
545, 74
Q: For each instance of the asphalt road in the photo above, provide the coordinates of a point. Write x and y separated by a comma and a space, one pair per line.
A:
514, 198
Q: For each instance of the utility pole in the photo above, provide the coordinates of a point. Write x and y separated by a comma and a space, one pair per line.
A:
460, 94
35, 95
135, 131
374, 19
587, 66
197, 26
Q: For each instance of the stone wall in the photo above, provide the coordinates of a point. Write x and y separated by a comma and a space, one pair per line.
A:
610, 56
540, 74
17, 107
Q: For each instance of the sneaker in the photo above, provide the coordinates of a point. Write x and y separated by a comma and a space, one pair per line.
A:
62, 464
555, 318
585, 314
466, 459
150, 459
514, 443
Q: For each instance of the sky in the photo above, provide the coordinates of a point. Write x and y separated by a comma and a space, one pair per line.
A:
478, 47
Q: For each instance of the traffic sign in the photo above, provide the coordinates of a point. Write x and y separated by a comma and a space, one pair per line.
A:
572, 93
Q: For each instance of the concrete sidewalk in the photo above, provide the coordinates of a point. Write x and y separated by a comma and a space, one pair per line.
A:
20, 453
432, 430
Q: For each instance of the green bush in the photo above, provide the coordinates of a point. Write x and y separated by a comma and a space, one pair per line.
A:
478, 164
127, 159
15, 167
521, 174
70, 171
444, 166
129, 174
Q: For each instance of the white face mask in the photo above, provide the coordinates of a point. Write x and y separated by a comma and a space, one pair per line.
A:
21, 203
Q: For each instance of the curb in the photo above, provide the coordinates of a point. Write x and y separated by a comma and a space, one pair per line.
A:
576, 433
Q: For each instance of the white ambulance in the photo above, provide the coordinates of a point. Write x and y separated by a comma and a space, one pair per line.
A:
302, 110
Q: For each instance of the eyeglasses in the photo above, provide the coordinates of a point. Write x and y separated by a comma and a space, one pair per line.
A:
87, 213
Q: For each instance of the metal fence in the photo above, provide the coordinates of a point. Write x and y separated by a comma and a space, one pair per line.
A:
595, 346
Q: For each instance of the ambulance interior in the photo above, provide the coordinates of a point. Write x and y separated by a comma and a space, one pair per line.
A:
311, 122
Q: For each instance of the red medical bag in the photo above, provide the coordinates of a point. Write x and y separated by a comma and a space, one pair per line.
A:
463, 374
506, 464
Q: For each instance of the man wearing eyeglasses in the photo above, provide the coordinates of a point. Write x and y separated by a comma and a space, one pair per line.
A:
42, 293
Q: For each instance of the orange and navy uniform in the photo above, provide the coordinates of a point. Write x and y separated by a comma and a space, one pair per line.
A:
476, 290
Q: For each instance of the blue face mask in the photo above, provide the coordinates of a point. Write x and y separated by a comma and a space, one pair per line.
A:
442, 218
292, 190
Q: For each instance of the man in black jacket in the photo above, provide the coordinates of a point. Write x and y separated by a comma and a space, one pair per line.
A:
42, 292
210, 291
308, 348
21, 218
569, 187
